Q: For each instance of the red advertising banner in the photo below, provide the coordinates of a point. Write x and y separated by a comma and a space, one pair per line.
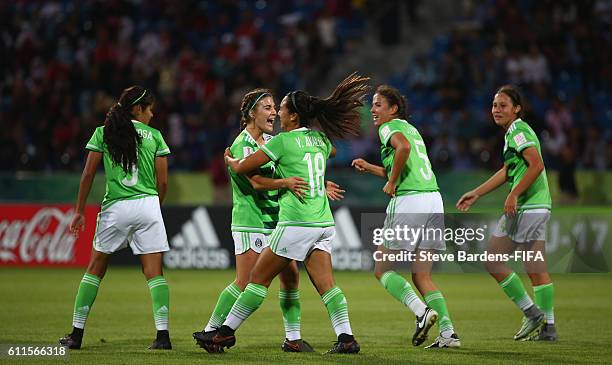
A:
39, 235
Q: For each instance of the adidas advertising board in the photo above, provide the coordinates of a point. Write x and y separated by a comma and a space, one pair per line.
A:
348, 251
196, 236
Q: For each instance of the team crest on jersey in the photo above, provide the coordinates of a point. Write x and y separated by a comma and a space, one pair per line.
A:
520, 139
258, 243
385, 131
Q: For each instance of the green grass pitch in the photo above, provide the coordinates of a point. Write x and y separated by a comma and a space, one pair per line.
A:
37, 309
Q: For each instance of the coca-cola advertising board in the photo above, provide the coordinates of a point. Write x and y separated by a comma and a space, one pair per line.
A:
39, 235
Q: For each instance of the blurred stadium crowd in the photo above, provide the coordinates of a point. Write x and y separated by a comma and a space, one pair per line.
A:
64, 62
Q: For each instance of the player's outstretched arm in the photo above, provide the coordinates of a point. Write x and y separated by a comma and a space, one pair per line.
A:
362, 165
89, 173
469, 198
296, 184
248, 164
161, 175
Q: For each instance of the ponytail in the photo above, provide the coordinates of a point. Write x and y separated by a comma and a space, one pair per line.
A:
338, 114
120, 136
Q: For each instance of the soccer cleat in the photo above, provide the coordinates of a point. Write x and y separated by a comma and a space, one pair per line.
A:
444, 342
71, 341
546, 332
204, 340
528, 326
423, 324
162, 341
344, 346
161, 344
223, 338
296, 346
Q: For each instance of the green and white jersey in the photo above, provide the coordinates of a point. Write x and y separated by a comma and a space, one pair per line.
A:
141, 181
303, 153
518, 137
253, 210
417, 176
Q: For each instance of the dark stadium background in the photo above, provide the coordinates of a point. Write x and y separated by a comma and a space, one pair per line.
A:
63, 63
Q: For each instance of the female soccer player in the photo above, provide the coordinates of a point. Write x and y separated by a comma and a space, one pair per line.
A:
136, 171
306, 226
415, 203
254, 216
526, 214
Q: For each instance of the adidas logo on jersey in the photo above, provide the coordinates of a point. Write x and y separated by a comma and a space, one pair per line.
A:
348, 252
197, 245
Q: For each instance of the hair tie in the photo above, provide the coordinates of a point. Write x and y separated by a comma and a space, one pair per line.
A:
143, 94
118, 103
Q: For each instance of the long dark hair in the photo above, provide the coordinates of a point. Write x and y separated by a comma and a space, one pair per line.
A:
120, 136
248, 103
338, 114
515, 95
393, 97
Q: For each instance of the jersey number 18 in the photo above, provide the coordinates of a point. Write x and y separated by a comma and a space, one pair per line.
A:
316, 173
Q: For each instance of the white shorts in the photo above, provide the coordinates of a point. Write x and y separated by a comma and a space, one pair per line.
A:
526, 226
297, 243
138, 222
244, 241
423, 215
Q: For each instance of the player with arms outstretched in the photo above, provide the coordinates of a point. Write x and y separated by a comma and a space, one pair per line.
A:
415, 203
136, 170
526, 214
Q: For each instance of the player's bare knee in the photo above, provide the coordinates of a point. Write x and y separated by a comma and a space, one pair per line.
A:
290, 277
324, 286
493, 267
241, 283
289, 281
378, 273
259, 279
379, 269
539, 278
421, 278
97, 268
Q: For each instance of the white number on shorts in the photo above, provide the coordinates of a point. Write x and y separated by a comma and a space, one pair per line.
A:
427, 173
316, 173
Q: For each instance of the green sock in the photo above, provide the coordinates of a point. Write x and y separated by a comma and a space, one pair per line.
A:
514, 289
290, 306
435, 300
160, 297
337, 308
544, 298
401, 290
247, 303
88, 289
226, 300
